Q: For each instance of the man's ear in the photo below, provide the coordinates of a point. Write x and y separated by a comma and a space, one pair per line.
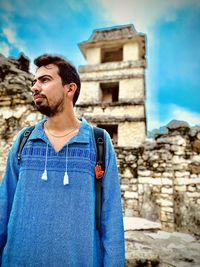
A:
70, 90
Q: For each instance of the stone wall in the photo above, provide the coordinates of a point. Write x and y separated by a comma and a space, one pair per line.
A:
16, 108
160, 180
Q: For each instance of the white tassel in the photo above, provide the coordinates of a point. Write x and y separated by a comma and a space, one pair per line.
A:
66, 179
44, 175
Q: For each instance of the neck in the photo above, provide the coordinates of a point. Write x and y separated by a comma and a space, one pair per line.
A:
63, 121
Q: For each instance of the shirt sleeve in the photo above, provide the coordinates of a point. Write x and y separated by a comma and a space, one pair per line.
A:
7, 191
112, 228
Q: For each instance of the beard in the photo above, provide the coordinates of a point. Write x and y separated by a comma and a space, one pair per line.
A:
53, 109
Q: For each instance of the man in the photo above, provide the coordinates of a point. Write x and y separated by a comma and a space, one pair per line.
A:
47, 202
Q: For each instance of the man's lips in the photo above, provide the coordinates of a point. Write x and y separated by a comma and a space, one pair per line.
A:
38, 97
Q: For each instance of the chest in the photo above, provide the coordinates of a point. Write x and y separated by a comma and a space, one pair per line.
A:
80, 157
59, 143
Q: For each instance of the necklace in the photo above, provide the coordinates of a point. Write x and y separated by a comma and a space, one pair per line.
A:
57, 136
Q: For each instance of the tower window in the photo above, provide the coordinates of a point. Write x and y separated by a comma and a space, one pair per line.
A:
111, 54
109, 92
112, 130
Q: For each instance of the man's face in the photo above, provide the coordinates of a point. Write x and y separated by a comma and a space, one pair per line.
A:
48, 91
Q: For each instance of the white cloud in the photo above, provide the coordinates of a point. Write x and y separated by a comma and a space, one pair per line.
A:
4, 49
12, 38
179, 113
144, 13
75, 5
10, 35
174, 113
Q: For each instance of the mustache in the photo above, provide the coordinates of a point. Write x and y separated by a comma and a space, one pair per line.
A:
38, 94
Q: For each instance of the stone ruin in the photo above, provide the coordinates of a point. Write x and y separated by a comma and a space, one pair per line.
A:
160, 181
16, 105
160, 178
113, 83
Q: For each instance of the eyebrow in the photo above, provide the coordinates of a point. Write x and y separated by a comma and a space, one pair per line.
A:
41, 77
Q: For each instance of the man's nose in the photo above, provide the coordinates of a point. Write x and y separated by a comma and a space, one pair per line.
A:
36, 87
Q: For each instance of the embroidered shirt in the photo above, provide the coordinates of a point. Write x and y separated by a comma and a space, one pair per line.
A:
45, 223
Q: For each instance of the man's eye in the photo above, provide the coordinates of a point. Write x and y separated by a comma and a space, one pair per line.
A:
45, 79
33, 82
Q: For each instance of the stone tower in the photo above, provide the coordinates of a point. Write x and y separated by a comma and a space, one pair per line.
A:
113, 83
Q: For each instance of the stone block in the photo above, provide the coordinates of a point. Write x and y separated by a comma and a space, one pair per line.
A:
182, 174
166, 203
167, 209
124, 181
129, 194
131, 88
182, 166
181, 181
131, 134
133, 181
131, 202
163, 217
145, 180
155, 165
140, 189
193, 194
90, 92
172, 140
131, 51
130, 212
198, 187
93, 55
166, 190
196, 146
184, 181
180, 188
156, 181
166, 216
134, 187
124, 187
194, 168
130, 158
196, 158
167, 174
168, 226
127, 173
178, 159
178, 150
157, 189
191, 188
166, 181
146, 173
157, 174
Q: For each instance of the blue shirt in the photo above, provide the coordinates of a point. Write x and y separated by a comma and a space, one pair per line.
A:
46, 223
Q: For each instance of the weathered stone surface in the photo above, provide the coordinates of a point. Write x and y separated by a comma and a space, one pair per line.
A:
196, 145
194, 168
131, 194
160, 248
174, 125
113, 33
137, 223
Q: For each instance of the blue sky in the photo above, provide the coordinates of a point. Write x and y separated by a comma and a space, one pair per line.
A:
173, 39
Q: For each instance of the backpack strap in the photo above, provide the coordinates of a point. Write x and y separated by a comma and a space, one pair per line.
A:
23, 139
99, 171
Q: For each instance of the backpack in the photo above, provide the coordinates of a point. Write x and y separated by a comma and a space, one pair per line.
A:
99, 141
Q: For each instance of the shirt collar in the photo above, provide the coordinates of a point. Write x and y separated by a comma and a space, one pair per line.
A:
82, 136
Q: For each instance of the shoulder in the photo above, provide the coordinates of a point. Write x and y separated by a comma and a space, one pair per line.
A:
19, 136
